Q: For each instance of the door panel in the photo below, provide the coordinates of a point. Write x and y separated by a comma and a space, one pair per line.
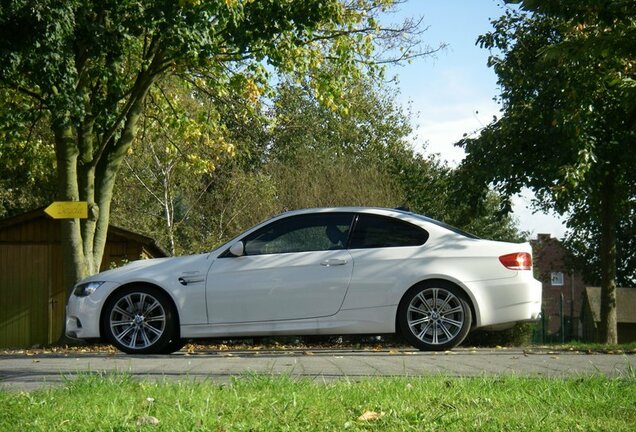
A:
278, 286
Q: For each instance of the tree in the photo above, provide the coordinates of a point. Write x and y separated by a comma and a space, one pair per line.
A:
605, 31
324, 157
568, 125
184, 158
89, 66
584, 244
181, 140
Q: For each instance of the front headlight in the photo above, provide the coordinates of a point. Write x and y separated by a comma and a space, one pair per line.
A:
86, 289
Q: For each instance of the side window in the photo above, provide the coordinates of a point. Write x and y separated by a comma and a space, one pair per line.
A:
301, 233
372, 231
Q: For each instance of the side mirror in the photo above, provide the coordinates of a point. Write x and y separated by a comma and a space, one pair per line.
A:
238, 249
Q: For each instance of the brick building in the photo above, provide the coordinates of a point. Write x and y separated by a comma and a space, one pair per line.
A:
560, 281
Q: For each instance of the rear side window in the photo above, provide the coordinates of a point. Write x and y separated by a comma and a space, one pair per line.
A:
373, 231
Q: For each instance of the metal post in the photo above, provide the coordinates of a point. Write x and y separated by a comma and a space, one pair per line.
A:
572, 305
542, 326
562, 319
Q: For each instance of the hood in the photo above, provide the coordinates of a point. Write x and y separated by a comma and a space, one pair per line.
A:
148, 269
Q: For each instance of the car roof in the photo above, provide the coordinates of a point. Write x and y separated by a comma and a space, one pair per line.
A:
378, 210
398, 213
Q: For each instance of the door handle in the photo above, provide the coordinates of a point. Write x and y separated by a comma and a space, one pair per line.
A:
333, 262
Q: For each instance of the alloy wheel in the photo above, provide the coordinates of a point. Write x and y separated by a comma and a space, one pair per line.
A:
435, 316
137, 320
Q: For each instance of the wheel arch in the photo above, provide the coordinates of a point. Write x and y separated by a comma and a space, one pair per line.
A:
148, 285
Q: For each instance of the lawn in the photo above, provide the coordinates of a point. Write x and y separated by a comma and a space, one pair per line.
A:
262, 403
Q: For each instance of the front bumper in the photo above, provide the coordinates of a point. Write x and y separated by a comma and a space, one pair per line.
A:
83, 313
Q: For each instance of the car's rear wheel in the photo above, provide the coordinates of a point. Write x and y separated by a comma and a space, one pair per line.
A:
434, 316
141, 320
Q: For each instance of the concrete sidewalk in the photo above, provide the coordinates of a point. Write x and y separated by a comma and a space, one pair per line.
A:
25, 373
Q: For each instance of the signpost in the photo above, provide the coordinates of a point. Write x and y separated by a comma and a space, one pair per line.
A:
68, 210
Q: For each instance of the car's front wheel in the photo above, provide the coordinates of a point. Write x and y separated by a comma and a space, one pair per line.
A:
141, 320
434, 316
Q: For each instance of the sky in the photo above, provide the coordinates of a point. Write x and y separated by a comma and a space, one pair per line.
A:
452, 93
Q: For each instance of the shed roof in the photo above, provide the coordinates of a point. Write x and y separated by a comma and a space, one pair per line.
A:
146, 241
625, 304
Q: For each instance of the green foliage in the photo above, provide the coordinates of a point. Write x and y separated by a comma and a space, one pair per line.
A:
371, 140
568, 125
583, 243
27, 178
373, 126
600, 33
182, 140
433, 189
320, 157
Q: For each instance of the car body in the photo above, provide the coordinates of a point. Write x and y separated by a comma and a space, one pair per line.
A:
349, 270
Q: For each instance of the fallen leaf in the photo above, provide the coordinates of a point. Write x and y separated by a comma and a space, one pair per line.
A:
393, 352
308, 353
147, 420
371, 416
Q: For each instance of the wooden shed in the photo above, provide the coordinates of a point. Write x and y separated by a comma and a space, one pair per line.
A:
625, 314
32, 294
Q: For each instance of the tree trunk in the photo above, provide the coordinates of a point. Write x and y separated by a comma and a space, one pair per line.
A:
66, 152
106, 174
609, 333
83, 243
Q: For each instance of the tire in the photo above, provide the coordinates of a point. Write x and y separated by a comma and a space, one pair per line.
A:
434, 316
174, 345
141, 320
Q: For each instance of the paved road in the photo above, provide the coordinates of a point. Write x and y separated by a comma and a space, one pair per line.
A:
21, 372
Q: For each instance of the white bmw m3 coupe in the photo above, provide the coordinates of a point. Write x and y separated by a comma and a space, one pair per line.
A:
329, 271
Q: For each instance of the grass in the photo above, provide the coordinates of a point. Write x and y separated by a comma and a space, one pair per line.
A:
96, 402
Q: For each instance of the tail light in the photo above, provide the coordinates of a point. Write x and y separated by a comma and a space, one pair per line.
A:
517, 261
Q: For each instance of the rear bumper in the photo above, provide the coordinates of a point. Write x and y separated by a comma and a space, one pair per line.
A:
507, 301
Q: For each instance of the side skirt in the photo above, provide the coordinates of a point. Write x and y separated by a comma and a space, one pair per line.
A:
379, 320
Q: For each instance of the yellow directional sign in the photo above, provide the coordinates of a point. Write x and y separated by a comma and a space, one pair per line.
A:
68, 210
